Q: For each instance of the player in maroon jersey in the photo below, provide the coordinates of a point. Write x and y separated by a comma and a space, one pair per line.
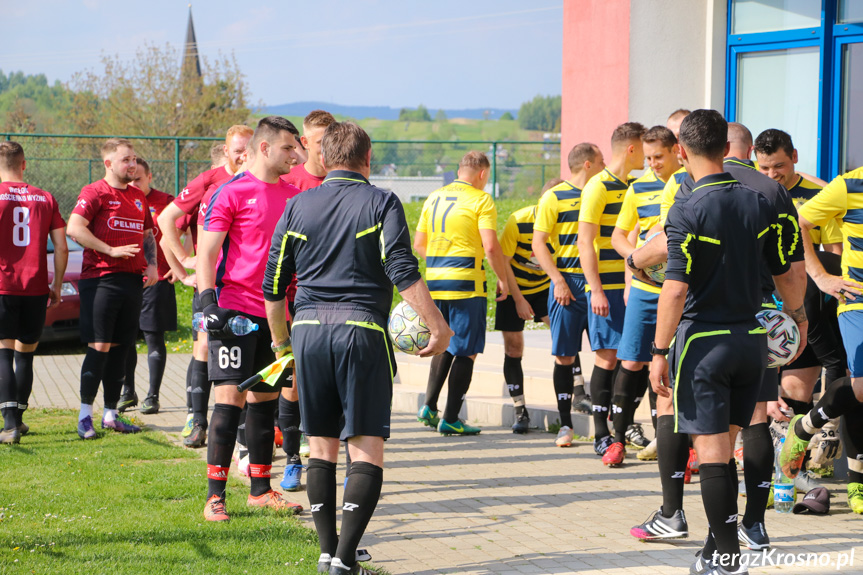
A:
233, 249
28, 216
159, 308
305, 176
183, 213
112, 221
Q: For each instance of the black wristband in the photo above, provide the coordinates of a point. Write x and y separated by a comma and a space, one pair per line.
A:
657, 351
208, 298
630, 263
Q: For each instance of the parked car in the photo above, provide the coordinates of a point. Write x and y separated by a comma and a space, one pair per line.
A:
62, 322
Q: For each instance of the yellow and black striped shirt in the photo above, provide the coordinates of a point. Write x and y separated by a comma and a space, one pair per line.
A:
601, 201
557, 215
515, 242
641, 206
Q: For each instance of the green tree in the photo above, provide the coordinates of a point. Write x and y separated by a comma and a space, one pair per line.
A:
541, 113
506, 116
440, 116
29, 104
421, 114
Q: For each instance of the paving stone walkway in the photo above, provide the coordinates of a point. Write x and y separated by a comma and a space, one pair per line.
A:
499, 503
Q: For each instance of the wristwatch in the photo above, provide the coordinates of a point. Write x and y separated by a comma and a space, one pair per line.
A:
630, 263
656, 351
281, 347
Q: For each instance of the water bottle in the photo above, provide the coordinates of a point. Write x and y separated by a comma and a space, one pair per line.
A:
241, 325
198, 322
784, 495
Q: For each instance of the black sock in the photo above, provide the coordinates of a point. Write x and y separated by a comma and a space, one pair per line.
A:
653, 414
115, 375
798, 407
260, 434
672, 454
129, 376
459, 382
157, 357
8, 390
200, 383
562, 379
92, 371
289, 423
579, 391
623, 403
440, 365
321, 489
220, 446
361, 498
241, 428
189, 386
720, 506
600, 392
757, 471
23, 380
514, 377
836, 401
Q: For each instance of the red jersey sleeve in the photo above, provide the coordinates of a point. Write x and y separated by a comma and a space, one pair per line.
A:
56, 219
88, 204
190, 197
148, 219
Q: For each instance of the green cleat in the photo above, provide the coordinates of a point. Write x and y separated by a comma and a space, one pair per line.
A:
793, 450
190, 423
458, 427
855, 497
428, 417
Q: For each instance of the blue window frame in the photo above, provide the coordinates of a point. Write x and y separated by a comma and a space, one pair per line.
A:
831, 40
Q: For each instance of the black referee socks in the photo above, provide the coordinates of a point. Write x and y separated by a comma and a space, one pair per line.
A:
673, 453
361, 498
321, 489
720, 506
757, 471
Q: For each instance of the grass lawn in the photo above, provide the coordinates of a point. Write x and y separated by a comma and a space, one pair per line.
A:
129, 504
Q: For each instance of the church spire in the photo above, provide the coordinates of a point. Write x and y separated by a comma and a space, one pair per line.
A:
191, 59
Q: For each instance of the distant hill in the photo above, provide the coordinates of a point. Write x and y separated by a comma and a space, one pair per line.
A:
380, 112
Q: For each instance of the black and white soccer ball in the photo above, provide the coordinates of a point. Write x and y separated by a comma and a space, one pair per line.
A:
783, 336
407, 330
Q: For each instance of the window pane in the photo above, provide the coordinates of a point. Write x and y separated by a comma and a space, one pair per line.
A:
748, 16
851, 154
850, 11
779, 89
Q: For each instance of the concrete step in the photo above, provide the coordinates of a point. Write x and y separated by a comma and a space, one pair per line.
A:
488, 401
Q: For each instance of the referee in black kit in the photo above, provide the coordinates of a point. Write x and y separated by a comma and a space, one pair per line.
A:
719, 238
348, 243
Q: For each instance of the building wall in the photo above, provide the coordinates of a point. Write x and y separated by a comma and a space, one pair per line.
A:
638, 60
595, 72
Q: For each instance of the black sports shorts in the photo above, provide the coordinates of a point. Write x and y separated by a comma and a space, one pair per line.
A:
159, 308
506, 316
22, 317
345, 366
716, 371
110, 308
234, 360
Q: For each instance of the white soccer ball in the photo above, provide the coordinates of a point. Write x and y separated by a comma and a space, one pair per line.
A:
655, 272
407, 330
783, 336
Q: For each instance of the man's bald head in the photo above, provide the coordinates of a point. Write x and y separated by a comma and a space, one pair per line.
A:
740, 139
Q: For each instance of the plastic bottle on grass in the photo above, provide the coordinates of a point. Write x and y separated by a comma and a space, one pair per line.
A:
784, 494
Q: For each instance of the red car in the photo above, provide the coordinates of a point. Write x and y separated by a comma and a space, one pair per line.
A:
61, 322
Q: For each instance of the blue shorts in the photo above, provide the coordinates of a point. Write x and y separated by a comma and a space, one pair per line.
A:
604, 332
466, 317
851, 328
569, 321
639, 326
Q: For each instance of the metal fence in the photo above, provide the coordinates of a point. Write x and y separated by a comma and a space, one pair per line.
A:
63, 164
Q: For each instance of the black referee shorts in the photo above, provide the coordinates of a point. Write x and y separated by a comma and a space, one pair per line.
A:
234, 360
717, 372
345, 366
506, 316
159, 308
22, 317
110, 308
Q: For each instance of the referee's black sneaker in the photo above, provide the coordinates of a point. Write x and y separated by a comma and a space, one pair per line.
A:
704, 566
151, 405
127, 401
753, 538
661, 527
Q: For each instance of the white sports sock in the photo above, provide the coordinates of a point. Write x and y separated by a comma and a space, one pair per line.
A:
109, 415
85, 411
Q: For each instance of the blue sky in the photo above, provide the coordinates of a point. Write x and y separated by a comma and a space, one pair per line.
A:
443, 53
